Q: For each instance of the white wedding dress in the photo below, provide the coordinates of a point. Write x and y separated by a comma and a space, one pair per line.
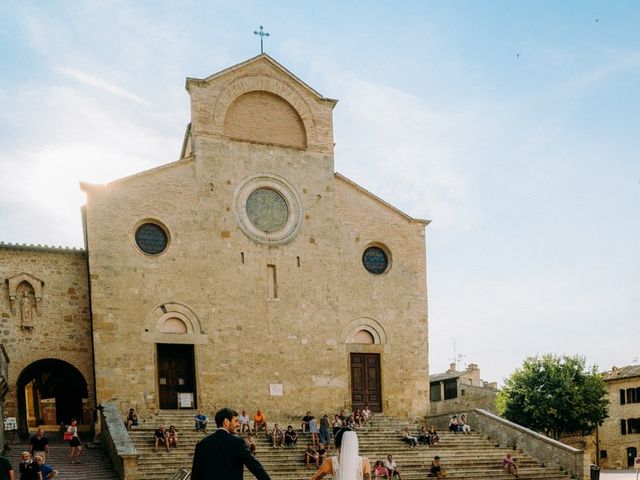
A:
348, 464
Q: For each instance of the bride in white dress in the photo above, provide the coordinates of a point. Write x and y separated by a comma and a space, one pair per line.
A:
347, 465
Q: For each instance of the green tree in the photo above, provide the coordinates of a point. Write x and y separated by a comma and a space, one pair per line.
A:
554, 395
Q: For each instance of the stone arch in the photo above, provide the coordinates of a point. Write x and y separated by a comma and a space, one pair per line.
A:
366, 324
260, 83
58, 391
174, 325
172, 312
251, 118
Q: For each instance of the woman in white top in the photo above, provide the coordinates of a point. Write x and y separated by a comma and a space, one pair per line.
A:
347, 465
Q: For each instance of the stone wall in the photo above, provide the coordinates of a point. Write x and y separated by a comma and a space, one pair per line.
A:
60, 318
510, 435
469, 397
117, 443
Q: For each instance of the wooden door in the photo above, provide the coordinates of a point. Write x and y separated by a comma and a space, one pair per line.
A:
365, 381
176, 374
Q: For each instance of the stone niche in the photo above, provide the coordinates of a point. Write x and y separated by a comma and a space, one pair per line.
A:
25, 296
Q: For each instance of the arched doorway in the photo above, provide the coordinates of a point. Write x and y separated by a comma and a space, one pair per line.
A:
50, 392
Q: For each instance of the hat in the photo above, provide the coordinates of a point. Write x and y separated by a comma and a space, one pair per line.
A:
437, 457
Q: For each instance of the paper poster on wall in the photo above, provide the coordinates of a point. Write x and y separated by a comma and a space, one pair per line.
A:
10, 423
185, 400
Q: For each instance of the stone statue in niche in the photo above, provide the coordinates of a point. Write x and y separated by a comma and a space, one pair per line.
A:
26, 310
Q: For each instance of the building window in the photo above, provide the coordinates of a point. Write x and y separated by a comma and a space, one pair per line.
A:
631, 395
151, 238
267, 210
272, 283
623, 427
375, 260
435, 392
450, 389
622, 396
603, 454
633, 425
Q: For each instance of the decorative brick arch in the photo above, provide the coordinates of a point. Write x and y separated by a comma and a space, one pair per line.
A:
368, 324
254, 83
169, 310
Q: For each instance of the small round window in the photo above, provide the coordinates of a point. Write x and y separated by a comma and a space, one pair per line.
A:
375, 260
151, 238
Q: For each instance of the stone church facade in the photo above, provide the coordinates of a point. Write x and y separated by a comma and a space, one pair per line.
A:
247, 273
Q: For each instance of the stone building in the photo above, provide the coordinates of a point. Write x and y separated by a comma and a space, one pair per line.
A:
619, 435
459, 391
46, 330
246, 273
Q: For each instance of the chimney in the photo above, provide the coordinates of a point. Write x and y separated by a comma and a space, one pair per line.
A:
452, 367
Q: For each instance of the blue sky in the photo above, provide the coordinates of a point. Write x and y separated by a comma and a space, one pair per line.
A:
512, 125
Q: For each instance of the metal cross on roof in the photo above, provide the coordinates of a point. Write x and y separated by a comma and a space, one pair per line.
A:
262, 35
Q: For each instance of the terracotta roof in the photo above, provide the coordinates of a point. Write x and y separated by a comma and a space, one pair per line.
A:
622, 372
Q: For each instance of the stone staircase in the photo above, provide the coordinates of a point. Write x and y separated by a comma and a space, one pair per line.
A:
469, 457
95, 464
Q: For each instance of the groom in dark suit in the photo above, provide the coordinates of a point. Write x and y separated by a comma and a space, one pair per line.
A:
222, 455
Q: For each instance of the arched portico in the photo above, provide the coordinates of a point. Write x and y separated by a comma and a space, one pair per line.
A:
50, 392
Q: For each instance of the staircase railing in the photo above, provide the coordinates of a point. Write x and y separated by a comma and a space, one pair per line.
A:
118, 444
513, 436
181, 474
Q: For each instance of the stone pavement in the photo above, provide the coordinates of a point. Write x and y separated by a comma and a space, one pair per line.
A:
617, 474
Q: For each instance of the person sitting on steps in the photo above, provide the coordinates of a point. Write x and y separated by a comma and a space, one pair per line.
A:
172, 437
132, 419
160, 438
201, 421
259, 422
243, 420
310, 455
436, 469
380, 472
290, 437
423, 436
463, 424
322, 452
454, 426
367, 414
251, 443
509, 464
392, 467
408, 438
277, 436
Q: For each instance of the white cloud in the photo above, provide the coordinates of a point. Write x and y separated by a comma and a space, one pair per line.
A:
101, 84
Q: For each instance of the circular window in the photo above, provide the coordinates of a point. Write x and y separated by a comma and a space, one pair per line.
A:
151, 238
267, 210
375, 260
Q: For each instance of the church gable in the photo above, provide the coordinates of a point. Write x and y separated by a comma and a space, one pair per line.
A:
259, 101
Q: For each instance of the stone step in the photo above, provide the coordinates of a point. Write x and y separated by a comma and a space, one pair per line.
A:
94, 463
469, 457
